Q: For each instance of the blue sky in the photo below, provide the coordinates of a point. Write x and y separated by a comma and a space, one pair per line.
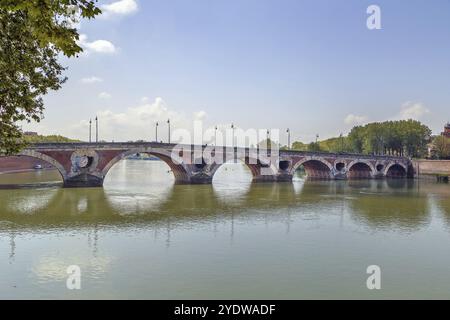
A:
312, 66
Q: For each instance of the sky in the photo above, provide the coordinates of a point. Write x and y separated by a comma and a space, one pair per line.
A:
312, 66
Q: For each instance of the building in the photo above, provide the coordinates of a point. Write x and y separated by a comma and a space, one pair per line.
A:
446, 132
30, 133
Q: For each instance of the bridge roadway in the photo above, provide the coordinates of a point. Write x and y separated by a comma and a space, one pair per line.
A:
87, 164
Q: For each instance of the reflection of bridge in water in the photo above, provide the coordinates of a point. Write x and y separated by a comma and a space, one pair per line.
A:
93, 211
57, 208
86, 165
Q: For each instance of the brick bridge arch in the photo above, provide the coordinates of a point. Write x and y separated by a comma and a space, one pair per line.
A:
402, 170
178, 169
259, 171
360, 166
41, 156
316, 167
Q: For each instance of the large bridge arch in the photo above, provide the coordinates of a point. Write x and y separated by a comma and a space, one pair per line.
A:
254, 165
361, 168
178, 169
41, 156
315, 167
396, 170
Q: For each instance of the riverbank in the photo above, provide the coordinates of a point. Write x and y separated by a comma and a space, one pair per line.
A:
17, 164
432, 169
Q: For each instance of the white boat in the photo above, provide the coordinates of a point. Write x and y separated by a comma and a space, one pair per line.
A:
38, 167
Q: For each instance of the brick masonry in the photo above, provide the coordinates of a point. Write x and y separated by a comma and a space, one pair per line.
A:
431, 167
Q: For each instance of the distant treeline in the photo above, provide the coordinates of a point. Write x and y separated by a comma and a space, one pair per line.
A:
47, 139
399, 138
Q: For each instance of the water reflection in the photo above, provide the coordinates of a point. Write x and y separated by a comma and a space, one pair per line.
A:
373, 203
232, 234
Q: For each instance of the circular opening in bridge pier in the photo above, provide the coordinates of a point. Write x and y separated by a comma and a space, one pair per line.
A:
199, 163
284, 164
17, 171
380, 167
340, 166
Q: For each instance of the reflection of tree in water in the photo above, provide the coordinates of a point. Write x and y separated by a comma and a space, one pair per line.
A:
72, 206
387, 210
443, 202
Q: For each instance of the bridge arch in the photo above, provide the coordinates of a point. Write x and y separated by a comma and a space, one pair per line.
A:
254, 165
315, 167
360, 168
396, 170
178, 169
38, 155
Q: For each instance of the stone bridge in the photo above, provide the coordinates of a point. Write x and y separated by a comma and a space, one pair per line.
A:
87, 164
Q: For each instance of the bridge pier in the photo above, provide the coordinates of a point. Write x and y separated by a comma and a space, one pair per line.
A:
83, 181
197, 179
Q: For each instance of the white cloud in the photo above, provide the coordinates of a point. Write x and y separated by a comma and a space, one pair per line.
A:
136, 123
412, 110
104, 95
119, 8
200, 115
353, 119
97, 46
91, 80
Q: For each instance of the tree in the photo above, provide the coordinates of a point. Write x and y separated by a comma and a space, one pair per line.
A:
268, 144
33, 33
48, 139
314, 147
441, 146
356, 139
298, 145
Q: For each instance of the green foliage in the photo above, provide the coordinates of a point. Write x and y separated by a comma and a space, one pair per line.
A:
47, 139
400, 138
314, 146
297, 145
441, 147
32, 35
268, 144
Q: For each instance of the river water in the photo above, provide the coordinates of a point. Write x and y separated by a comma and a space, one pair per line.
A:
141, 236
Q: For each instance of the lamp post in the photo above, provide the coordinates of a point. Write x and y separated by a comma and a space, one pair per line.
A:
317, 137
232, 135
96, 129
157, 124
288, 131
90, 130
168, 124
215, 136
